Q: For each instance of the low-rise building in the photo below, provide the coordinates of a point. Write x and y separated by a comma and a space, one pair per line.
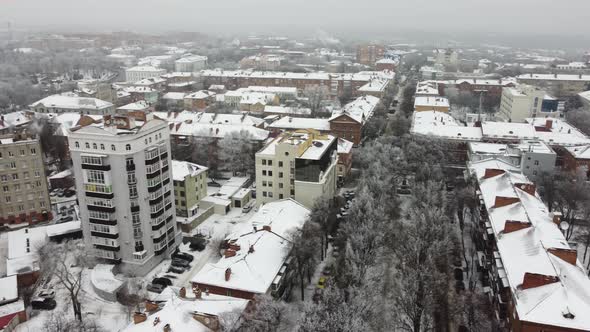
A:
138, 73
386, 64
368, 54
560, 85
299, 165
439, 104
532, 157
198, 101
174, 100
138, 106
525, 101
287, 111
261, 62
68, 104
24, 197
256, 254
192, 63
190, 186
577, 158
349, 121
12, 307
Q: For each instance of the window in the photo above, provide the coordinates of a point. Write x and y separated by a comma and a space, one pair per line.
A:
534, 172
17, 187
280, 196
264, 194
89, 160
182, 194
280, 164
101, 146
270, 194
87, 145
270, 163
37, 174
8, 199
264, 172
98, 215
128, 147
95, 176
263, 161
4, 178
12, 164
536, 162
280, 185
129, 161
33, 151
270, 183
264, 183
5, 189
286, 153
269, 173
15, 176
26, 175
280, 175
77, 144
42, 204
38, 183
0, 154
10, 154
113, 147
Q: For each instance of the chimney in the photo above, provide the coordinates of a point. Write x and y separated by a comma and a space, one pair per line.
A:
529, 188
167, 328
235, 247
170, 126
548, 123
2, 121
251, 250
197, 292
532, 280
182, 293
151, 306
568, 255
266, 228
227, 274
514, 225
139, 317
491, 172
178, 126
229, 253
503, 201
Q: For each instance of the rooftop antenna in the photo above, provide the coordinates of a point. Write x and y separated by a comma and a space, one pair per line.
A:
481, 92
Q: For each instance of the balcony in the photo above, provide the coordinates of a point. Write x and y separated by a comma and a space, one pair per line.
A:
107, 254
140, 255
105, 235
149, 169
130, 167
102, 222
96, 167
131, 179
109, 209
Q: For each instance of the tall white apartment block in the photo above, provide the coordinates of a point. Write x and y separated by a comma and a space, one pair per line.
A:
125, 191
192, 63
521, 102
299, 165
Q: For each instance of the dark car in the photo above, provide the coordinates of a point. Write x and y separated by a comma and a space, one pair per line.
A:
184, 256
162, 281
69, 193
180, 263
66, 219
43, 304
156, 288
176, 269
197, 243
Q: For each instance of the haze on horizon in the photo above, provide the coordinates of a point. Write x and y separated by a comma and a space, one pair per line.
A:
520, 17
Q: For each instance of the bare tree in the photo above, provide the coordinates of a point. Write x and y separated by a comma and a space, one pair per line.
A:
315, 95
59, 322
66, 262
305, 245
580, 118
237, 152
266, 314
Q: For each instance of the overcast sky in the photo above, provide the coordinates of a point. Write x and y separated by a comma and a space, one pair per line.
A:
370, 16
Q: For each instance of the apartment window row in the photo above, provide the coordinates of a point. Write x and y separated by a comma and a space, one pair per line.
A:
99, 215
267, 194
100, 202
95, 146
22, 152
267, 162
101, 228
148, 140
265, 173
95, 176
267, 183
90, 160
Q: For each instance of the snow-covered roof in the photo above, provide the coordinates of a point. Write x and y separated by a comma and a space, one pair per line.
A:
215, 130
527, 250
192, 58
8, 289
287, 110
201, 94
178, 312
209, 118
146, 69
360, 109
554, 77
585, 95
22, 257
507, 130
579, 152
443, 125
274, 89
433, 101
182, 169
73, 103
291, 123
140, 105
14, 119
344, 146
559, 133
150, 81
63, 228
427, 88
375, 85
262, 252
360, 76
62, 174
174, 95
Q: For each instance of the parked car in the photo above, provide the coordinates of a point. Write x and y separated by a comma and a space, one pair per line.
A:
170, 276
183, 256
156, 288
162, 281
327, 271
69, 192
66, 219
43, 304
196, 242
46, 294
180, 263
176, 269
247, 208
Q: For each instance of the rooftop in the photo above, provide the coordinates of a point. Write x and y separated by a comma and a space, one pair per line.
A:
529, 250
554, 77
443, 125
580, 152
291, 123
360, 109
146, 69
262, 252
73, 103
182, 169
433, 101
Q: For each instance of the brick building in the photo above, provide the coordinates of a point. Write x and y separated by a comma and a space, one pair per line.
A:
368, 54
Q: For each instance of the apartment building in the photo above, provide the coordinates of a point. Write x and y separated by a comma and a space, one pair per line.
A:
192, 63
72, 104
299, 165
446, 57
369, 54
138, 73
523, 102
123, 181
439, 104
534, 279
190, 186
24, 197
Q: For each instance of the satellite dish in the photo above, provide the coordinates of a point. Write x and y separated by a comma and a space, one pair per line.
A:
564, 225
